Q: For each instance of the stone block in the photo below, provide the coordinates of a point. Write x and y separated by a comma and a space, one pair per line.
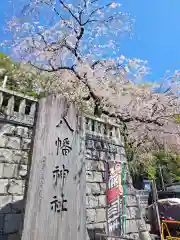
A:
3, 186
17, 156
107, 156
131, 200
13, 143
90, 144
131, 226
105, 146
98, 177
95, 165
130, 190
95, 154
25, 144
1, 169
5, 204
10, 170
16, 187
98, 145
132, 213
90, 215
88, 154
24, 157
101, 215
92, 201
12, 223
103, 188
112, 157
102, 201
121, 151
6, 155
93, 188
7, 129
13, 156
97, 226
3, 141
103, 155
4, 200
135, 236
30, 132
89, 176
101, 166
113, 148
16, 198
22, 132
22, 171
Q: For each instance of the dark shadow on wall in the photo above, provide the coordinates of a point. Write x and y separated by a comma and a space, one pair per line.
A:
11, 221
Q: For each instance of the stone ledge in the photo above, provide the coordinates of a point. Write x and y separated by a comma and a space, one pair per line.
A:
104, 156
17, 118
13, 130
21, 95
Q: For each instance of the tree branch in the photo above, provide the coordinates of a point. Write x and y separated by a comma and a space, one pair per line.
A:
69, 10
103, 21
130, 119
99, 9
79, 38
52, 68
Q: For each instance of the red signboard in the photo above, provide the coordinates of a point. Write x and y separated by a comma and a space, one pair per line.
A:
112, 194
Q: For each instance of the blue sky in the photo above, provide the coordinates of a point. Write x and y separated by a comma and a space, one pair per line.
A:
157, 33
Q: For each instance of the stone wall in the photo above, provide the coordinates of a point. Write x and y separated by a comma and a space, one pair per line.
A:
16, 123
103, 144
96, 185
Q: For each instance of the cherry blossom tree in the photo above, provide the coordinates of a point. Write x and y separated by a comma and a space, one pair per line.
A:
75, 49
75, 38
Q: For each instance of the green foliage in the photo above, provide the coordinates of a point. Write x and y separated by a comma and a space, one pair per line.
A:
6, 62
20, 77
170, 164
151, 172
147, 166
